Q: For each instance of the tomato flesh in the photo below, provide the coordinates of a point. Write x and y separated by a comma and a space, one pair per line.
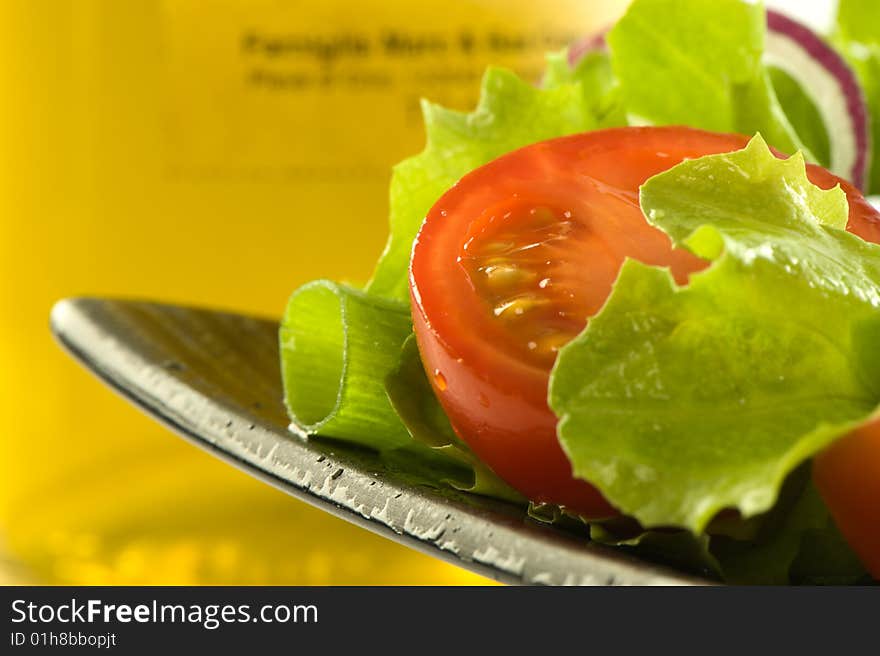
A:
513, 260
847, 475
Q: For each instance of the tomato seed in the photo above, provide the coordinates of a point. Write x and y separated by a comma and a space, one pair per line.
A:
519, 306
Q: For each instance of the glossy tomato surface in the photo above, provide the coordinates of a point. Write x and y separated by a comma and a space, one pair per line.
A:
513, 260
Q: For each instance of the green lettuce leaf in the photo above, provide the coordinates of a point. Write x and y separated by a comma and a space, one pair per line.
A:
699, 64
795, 542
859, 20
787, 548
511, 114
596, 78
678, 402
857, 37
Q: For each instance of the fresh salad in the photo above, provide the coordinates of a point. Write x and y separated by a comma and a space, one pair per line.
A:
641, 297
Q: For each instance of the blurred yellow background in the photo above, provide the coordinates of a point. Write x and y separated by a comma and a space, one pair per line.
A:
212, 153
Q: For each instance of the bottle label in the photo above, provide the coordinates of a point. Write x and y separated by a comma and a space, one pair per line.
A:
291, 90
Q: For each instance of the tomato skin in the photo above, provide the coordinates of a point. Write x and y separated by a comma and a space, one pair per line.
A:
495, 397
847, 475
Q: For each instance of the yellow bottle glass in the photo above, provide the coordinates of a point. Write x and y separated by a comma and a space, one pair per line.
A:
216, 154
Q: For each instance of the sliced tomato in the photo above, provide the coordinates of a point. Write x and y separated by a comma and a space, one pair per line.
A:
848, 477
513, 260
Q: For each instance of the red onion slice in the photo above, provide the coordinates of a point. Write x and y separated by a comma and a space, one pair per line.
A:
582, 47
832, 86
824, 77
